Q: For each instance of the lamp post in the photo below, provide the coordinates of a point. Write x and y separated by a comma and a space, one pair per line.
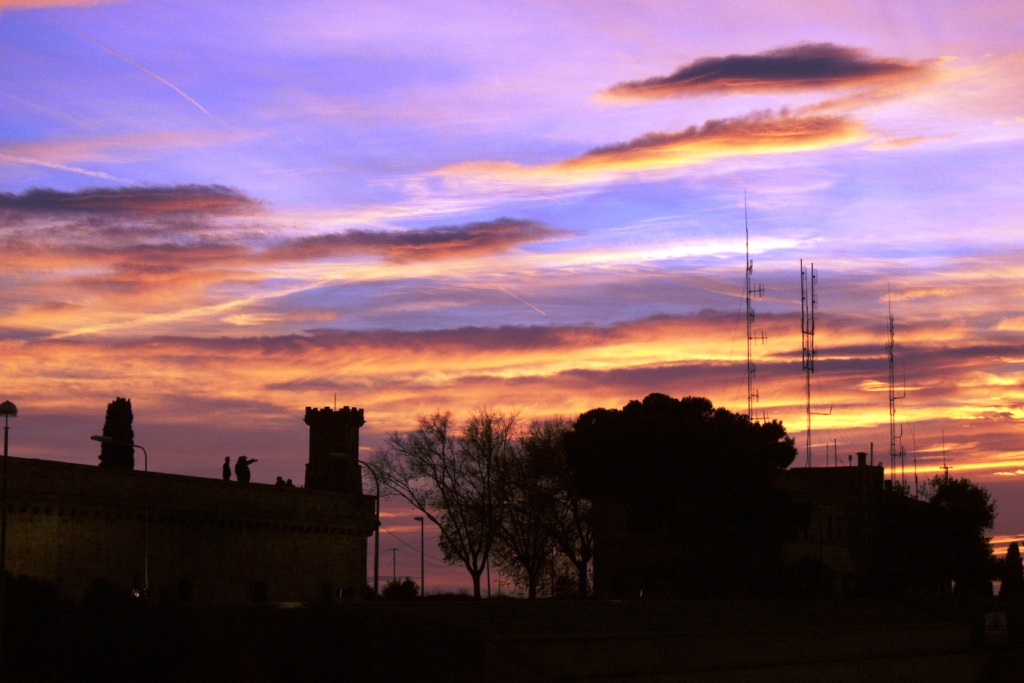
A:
376, 530
145, 527
423, 581
8, 410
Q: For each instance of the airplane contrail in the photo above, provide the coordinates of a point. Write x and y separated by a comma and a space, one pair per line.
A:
521, 299
64, 167
152, 74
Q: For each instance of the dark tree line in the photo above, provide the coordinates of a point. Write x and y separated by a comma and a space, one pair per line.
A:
682, 492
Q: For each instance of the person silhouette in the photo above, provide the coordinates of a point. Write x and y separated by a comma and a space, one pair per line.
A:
242, 468
227, 468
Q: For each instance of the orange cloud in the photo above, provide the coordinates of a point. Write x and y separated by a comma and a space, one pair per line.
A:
760, 133
811, 66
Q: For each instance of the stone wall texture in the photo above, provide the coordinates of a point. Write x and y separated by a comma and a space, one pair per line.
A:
88, 529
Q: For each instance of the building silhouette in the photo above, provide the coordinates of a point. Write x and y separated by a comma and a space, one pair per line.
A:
832, 548
88, 529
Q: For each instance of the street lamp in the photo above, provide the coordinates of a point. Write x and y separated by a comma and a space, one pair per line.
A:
8, 410
376, 531
145, 528
423, 581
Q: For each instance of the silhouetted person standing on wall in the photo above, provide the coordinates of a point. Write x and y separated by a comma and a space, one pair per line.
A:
242, 468
227, 468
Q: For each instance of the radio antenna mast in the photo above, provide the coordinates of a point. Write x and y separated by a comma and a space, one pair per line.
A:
893, 395
808, 307
808, 304
750, 290
945, 468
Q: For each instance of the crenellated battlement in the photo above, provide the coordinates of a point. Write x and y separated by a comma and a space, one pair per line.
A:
334, 449
350, 417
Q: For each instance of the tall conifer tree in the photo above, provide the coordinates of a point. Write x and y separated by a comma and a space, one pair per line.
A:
118, 426
1013, 573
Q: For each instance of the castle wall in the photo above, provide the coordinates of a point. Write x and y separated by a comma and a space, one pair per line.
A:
334, 449
209, 540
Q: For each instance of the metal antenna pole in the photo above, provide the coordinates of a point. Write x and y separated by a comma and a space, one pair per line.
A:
893, 395
807, 306
750, 290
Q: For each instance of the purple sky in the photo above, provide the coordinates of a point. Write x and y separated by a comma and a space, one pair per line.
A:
228, 215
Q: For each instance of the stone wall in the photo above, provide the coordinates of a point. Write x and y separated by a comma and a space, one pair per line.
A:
199, 540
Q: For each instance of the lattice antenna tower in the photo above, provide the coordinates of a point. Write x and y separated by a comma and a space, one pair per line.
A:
893, 397
945, 468
808, 305
751, 291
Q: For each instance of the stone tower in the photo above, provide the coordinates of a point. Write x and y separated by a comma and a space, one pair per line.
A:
334, 450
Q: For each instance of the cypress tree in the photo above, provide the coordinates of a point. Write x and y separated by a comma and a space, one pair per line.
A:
1013, 573
118, 426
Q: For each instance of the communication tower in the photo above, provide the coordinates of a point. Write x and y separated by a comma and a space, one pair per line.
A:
894, 396
751, 291
808, 305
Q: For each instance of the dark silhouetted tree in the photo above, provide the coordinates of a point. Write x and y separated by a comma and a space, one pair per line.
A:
118, 426
524, 544
545, 518
1013, 573
448, 474
686, 484
963, 513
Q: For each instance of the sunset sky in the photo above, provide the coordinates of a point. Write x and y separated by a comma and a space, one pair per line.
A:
229, 211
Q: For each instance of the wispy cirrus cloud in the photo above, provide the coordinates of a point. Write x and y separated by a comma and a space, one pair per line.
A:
71, 154
413, 371
40, 4
806, 67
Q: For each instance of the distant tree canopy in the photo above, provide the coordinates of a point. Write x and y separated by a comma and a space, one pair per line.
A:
937, 541
405, 589
696, 485
656, 448
963, 514
118, 426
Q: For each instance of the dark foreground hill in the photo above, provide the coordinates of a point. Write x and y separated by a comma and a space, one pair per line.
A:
501, 640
